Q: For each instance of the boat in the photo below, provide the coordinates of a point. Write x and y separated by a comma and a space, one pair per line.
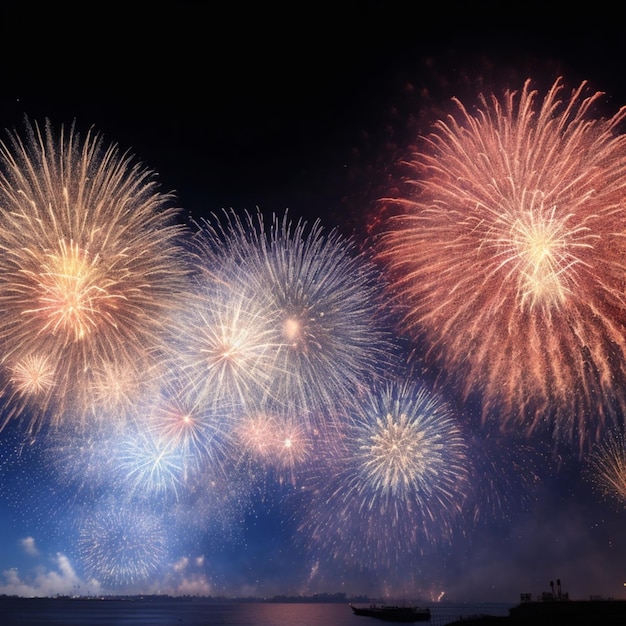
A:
394, 613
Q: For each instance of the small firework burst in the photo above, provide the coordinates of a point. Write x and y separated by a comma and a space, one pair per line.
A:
195, 431
148, 465
256, 434
32, 375
506, 257
276, 441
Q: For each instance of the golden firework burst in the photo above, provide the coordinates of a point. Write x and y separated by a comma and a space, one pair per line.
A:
90, 270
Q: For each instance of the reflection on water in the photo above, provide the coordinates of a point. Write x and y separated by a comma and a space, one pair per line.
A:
199, 612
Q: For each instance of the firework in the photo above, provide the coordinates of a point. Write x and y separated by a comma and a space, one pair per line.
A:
149, 465
184, 425
226, 346
89, 269
606, 466
275, 440
32, 375
294, 445
399, 482
318, 297
121, 546
256, 433
174, 444
115, 389
506, 257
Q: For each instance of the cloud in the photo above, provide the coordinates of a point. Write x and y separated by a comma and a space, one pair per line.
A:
58, 577
180, 581
28, 545
194, 585
181, 565
59, 580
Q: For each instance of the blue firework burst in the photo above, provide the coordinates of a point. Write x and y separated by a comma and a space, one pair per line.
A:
397, 482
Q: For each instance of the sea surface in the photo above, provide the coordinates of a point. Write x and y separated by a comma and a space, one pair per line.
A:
203, 612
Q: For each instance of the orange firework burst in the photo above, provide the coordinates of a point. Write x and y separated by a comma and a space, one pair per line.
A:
89, 269
507, 257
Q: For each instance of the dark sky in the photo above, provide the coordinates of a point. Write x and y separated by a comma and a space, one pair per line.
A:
262, 106
307, 108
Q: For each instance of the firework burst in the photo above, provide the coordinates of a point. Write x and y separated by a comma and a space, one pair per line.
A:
399, 482
90, 265
149, 465
318, 296
507, 257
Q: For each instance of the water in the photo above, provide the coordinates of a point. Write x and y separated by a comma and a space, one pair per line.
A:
202, 612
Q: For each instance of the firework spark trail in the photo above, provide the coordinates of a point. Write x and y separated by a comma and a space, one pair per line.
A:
606, 466
507, 257
90, 264
320, 297
399, 482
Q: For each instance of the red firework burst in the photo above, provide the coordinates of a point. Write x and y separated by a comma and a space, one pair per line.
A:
507, 256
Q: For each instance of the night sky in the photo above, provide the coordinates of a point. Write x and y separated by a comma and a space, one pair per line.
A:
303, 112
